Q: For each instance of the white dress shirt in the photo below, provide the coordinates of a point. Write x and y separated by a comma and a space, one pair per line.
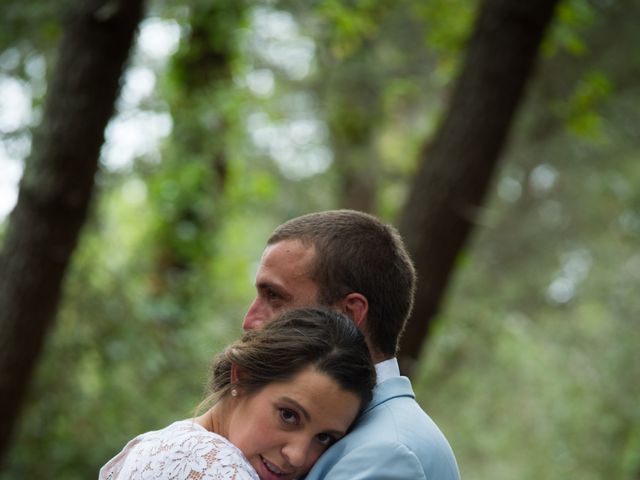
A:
387, 369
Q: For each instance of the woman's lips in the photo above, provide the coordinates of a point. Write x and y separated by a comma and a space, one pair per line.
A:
273, 468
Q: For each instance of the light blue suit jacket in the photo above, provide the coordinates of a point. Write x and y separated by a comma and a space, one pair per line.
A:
393, 439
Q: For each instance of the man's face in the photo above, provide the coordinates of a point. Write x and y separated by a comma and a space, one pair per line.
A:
283, 282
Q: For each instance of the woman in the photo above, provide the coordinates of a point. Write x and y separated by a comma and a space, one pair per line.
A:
280, 397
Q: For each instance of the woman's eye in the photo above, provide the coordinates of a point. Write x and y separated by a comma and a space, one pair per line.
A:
289, 416
326, 439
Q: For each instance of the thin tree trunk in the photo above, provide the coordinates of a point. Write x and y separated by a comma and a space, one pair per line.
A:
456, 170
354, 106
56, 188
203, 69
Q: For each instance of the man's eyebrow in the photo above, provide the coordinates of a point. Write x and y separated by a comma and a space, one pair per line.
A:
263, 285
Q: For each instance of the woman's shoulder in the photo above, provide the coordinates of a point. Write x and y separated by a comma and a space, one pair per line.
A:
182, 450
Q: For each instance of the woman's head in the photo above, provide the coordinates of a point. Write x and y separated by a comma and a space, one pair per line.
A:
290, 390
321, 338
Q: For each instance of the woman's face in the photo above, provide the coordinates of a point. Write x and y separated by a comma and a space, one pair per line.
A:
283, 428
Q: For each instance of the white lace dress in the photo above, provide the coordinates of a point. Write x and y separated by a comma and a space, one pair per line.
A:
182, 451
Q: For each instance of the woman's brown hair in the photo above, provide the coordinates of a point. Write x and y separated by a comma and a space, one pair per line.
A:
324, 339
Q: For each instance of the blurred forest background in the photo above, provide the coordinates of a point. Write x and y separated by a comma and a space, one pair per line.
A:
236, 115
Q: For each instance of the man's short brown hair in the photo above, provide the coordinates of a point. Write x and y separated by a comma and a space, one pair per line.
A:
356, 252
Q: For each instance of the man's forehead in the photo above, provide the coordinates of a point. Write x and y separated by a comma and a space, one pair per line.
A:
293, 248
286, 270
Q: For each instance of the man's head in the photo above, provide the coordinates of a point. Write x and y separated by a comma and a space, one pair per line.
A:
343, 259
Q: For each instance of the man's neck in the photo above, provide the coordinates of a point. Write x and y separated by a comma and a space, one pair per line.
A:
376, 356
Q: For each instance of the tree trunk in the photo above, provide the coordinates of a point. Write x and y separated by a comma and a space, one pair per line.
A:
202, 70
352, 88
456, 169
56, 188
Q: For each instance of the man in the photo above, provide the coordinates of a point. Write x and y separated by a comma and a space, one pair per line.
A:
351, 261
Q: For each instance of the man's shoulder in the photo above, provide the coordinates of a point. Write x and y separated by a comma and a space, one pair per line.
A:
393, 430
397, 417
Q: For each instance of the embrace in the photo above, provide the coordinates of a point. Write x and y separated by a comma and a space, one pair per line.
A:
313, 388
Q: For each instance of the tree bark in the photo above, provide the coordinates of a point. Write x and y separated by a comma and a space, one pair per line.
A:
203, 73
352, 106
56, 188
352, 125
457, 167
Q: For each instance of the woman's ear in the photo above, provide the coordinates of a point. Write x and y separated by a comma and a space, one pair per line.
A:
355, 306
235, 374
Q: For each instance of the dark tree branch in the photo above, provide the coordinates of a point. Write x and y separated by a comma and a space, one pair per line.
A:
457, 168
56, 188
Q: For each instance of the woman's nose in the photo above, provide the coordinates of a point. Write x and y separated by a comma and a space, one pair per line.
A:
296, 452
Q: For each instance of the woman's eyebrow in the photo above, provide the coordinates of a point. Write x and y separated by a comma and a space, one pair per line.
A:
298, 406
338, 433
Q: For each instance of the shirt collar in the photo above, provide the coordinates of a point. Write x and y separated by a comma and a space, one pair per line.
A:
387, 369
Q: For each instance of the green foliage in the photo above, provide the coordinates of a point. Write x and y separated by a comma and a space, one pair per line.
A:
448, 27
579, 111
532, 372
573, 17
550, 382
351, 24
37, 26
209, 45
131, 361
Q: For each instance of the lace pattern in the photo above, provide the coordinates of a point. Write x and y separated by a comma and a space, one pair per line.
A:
182, 451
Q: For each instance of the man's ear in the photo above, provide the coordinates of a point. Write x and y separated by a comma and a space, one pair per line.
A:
356, 306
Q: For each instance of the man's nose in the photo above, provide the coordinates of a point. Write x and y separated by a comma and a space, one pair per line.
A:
254, 318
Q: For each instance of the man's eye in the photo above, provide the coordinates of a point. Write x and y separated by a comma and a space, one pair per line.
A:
288, 416
326, 439
272, 295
